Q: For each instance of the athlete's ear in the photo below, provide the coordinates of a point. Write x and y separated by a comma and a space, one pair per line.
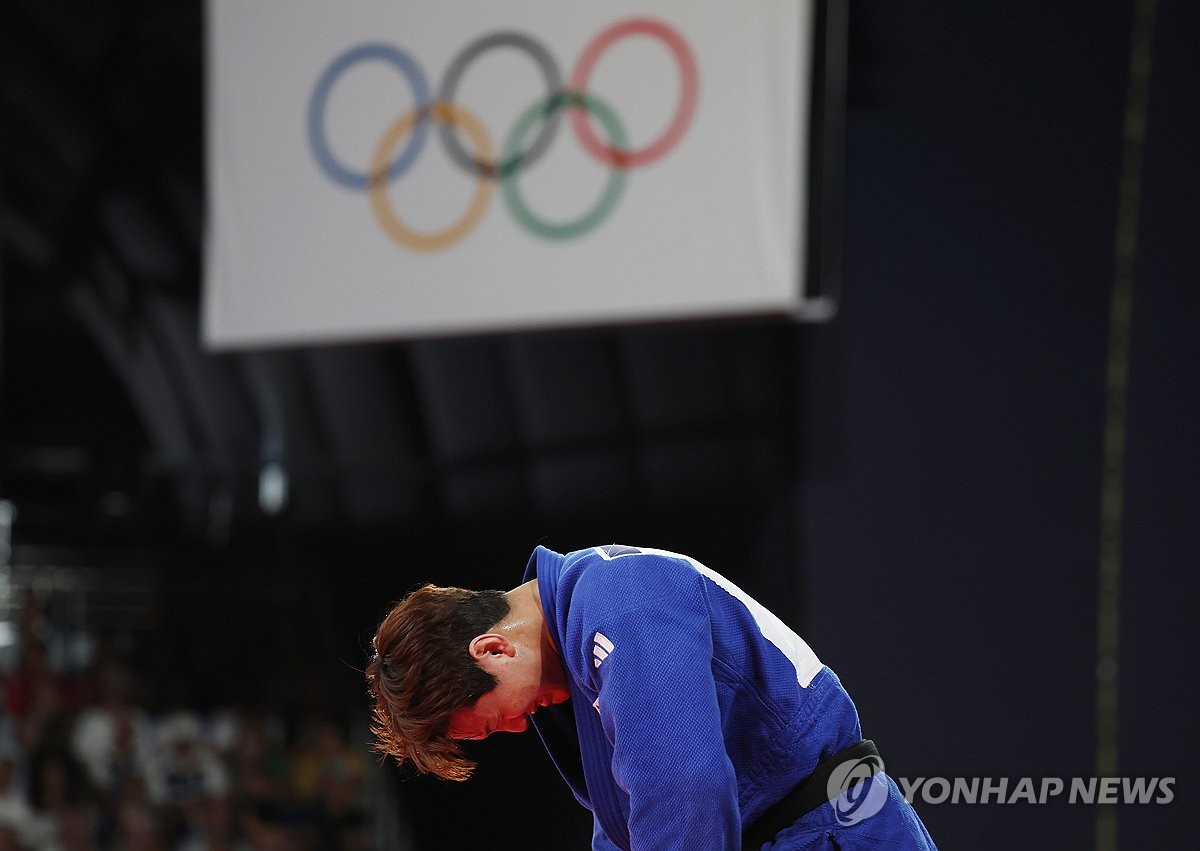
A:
490, 644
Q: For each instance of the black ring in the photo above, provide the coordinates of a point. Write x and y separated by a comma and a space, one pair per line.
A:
450, 82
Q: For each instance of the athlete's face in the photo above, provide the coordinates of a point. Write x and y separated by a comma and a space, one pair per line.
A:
523, 686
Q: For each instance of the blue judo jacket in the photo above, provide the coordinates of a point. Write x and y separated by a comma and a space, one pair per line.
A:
693, 708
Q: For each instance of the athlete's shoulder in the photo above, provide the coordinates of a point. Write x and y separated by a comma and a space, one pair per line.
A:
617, 577
621, 555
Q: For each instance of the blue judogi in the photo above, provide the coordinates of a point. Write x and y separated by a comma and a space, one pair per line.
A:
693, 709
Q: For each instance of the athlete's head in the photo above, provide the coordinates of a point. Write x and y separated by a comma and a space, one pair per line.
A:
422, 672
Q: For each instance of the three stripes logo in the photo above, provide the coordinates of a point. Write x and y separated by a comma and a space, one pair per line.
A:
601, 648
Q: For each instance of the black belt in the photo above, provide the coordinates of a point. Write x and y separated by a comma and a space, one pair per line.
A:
809, 794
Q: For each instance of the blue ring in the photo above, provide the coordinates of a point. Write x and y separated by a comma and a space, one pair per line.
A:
320, 97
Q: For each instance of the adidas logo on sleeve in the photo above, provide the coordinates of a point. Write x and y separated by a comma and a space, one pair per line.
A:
601, 648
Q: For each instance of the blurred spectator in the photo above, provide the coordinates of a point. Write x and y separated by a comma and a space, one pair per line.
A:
115, 742
193, 779
33, 622
340, 822
34, 696
104, 679
16, 814
32, 665
60, 806
191, 770
323, 751
328, 776
259, 768
137, 825
210, 826
75, 828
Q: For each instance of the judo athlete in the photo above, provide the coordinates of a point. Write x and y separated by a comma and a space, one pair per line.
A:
682, 713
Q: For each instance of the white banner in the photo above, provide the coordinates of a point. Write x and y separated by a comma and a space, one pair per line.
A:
380, 168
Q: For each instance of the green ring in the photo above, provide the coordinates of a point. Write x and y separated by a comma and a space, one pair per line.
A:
616, 180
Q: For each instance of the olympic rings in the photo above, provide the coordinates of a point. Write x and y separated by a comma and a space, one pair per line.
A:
513, 159
612, 191
448, 115
450, 82
687, 100
320, 97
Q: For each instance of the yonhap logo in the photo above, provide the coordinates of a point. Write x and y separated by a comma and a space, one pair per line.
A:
857, 788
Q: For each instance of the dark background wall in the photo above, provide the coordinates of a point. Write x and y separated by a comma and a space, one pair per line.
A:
951, 506
916, 486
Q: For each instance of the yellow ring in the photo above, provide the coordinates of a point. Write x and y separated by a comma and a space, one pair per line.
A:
446, 113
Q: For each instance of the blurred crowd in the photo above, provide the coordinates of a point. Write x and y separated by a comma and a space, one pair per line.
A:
84, 764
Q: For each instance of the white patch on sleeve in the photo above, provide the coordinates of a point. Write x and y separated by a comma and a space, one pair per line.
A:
773, 629
778, 633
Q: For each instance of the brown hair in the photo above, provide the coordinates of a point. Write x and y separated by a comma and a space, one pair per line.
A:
422, 672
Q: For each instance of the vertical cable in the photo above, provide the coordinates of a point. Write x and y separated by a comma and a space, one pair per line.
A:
1112, 495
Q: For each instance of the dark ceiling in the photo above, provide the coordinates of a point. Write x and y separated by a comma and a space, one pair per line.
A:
118, 429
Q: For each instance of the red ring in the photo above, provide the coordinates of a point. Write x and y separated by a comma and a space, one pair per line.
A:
687, 100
